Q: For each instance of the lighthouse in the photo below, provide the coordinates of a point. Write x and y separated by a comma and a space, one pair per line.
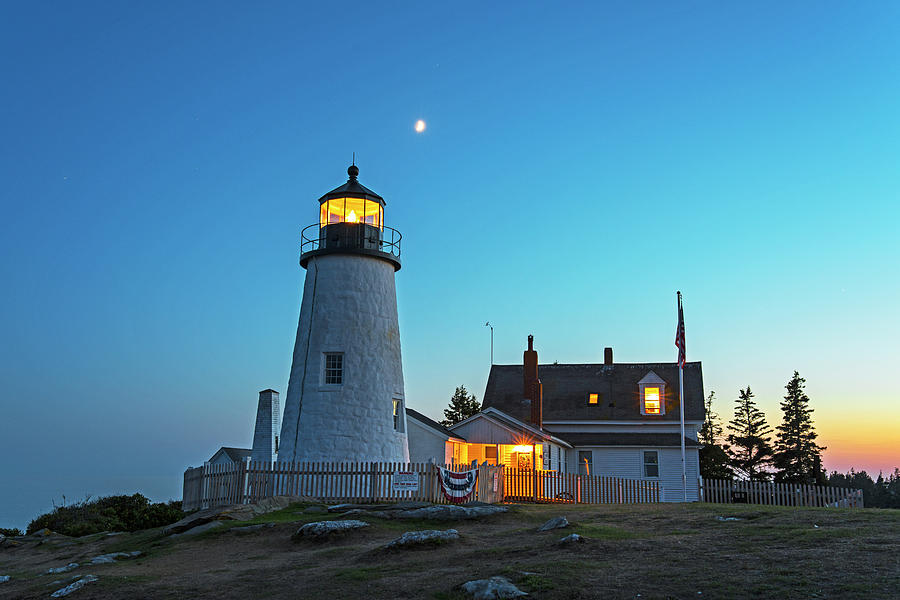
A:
345, 400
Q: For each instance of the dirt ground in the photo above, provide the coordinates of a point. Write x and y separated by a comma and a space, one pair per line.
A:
632, 551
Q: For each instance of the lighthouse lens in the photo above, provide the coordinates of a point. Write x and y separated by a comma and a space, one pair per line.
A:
351, 210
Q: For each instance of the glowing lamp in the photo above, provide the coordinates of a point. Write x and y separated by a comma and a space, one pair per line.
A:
351, 220
522, 448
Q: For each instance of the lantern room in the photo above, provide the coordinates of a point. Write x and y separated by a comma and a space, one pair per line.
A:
351, 220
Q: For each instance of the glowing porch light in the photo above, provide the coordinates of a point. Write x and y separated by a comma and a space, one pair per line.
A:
522, 448
352, 218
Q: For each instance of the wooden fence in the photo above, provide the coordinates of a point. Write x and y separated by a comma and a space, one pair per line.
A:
245, 482
552, 486
778, 494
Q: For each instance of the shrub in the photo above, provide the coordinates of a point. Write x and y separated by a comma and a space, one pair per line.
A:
111, 513
10, 532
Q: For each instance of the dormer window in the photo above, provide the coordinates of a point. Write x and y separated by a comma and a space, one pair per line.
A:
651, 400
652, 390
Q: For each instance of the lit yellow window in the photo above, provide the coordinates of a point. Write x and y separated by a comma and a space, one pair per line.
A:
651, 400
351, 210
592, 398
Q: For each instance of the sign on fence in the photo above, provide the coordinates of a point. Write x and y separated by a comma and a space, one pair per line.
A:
405, 481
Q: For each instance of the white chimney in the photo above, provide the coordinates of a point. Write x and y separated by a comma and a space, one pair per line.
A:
268, 428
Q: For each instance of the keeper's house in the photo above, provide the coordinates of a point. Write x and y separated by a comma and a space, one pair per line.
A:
610, 419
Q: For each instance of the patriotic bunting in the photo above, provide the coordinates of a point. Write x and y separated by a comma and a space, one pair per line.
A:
457, 487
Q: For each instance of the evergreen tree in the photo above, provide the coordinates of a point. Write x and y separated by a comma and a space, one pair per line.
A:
797, 456
750, 440
713, 458
462, 406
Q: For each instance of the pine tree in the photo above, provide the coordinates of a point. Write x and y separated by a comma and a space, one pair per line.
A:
713, 458
750, 439
797, 456
462, 406
711, 430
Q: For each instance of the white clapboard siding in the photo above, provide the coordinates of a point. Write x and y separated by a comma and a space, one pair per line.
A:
628, 463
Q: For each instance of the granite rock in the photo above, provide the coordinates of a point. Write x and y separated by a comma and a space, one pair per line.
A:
73, 587
554, 523
492, 589
417, 538
323, 529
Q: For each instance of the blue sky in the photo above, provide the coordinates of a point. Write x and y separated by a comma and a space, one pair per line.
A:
580, 165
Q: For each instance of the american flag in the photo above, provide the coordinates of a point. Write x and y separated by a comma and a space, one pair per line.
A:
679, 334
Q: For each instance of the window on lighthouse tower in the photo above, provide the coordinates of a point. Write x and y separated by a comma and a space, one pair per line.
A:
398, 415
334, 368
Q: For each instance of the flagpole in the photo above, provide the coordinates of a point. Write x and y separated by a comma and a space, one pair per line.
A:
681, 403
681, 396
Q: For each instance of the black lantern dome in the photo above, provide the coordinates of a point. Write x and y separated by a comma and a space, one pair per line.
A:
351, 221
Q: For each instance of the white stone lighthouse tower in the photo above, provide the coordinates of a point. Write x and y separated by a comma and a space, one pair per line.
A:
345, 394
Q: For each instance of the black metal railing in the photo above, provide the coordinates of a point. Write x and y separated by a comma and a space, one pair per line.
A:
360, 236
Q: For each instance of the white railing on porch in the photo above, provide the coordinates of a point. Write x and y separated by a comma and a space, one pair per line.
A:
778, 494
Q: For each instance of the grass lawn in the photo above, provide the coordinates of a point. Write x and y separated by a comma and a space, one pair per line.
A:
632, 551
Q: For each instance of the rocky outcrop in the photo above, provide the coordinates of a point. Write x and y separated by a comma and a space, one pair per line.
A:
410, 505
418, 538
491, 589
451, 512
65, 569
234, 512
200, 529
250, 528
72, 587
323, 529
554, 523
571, 539
105, 559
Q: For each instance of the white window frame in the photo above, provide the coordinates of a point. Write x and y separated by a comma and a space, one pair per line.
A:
581, 462
324, 371
644, 463
653, 380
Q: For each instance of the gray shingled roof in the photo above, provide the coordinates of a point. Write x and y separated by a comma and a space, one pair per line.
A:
433, 424
628, 439
566, 389
235, 454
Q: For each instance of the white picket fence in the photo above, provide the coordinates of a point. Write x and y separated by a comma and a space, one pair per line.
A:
245, 482
523, 485
778, 494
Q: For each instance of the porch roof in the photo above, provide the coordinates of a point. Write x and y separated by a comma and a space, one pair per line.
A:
433, 424
511, 424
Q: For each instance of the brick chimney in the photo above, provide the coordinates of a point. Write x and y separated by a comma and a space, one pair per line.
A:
607, 356
532, 389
